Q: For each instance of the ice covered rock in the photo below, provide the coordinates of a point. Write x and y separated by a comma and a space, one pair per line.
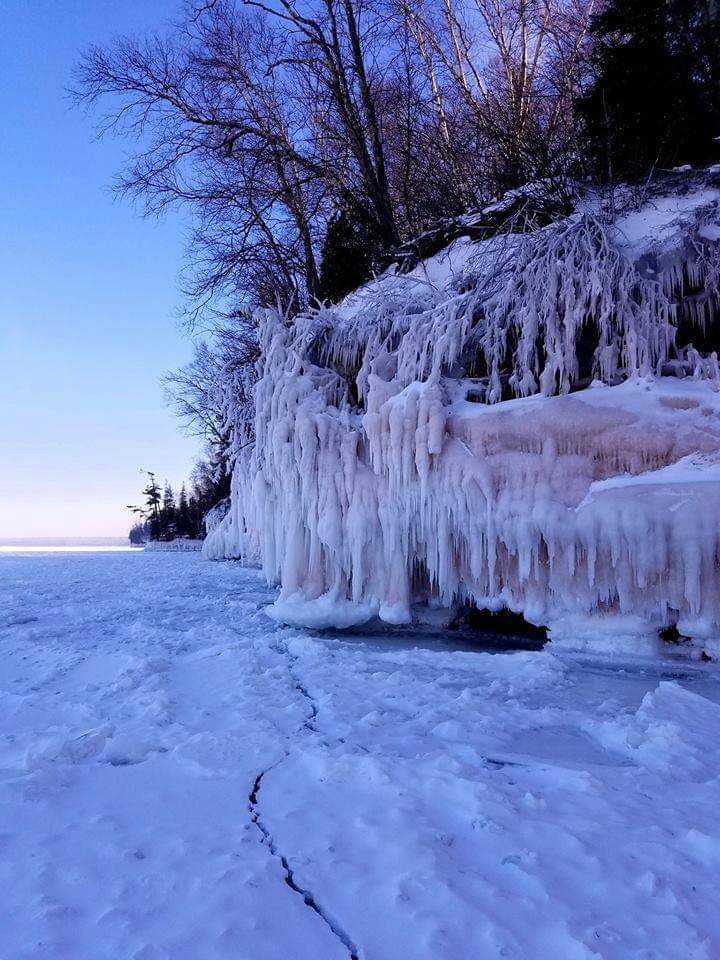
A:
377, 481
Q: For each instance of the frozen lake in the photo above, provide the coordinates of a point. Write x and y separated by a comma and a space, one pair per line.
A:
182, 779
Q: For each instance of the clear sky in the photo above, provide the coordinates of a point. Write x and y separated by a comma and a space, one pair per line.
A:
88, 290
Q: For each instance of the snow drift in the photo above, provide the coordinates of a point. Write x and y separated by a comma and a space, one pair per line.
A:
420, 444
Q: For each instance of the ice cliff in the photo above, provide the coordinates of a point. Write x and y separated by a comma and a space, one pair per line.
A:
529, 420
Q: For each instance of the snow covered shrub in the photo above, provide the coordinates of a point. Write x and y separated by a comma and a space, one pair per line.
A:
514, 308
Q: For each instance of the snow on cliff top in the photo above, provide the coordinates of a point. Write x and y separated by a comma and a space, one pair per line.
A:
663, 222
660, 223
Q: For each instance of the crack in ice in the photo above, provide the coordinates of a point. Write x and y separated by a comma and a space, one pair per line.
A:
282, 650
308, 898
266, 836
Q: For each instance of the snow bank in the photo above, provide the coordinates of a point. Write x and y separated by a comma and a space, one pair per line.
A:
668, 732
391, 468
180, 543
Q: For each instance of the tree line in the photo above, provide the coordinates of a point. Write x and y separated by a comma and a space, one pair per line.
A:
163, 516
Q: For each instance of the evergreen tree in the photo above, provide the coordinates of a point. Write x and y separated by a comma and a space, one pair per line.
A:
196, 518
168, 499
350, 247
152, 494
138, 533
168, 514
182, 521
151, 511
656, 97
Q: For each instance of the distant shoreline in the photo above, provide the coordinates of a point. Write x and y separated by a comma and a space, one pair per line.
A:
64, 542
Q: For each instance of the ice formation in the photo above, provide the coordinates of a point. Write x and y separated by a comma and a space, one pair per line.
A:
420, 444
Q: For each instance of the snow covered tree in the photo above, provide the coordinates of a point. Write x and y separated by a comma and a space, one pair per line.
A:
655, 100
378, 480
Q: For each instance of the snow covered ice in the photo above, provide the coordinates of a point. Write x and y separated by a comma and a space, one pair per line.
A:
170, 756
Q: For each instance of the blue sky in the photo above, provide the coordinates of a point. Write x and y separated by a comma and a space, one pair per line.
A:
88, 290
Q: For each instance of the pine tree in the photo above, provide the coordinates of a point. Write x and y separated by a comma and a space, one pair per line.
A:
138, 533
348, 252
655, 101
152, 505
150, 511
183, 514
168, 513
168, 499
197, 513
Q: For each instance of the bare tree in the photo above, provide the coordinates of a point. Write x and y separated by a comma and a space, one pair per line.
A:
515, 65
267, 116
211, 394
332, 45
216, 131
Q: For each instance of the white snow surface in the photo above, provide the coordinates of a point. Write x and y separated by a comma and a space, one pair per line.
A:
432, 801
